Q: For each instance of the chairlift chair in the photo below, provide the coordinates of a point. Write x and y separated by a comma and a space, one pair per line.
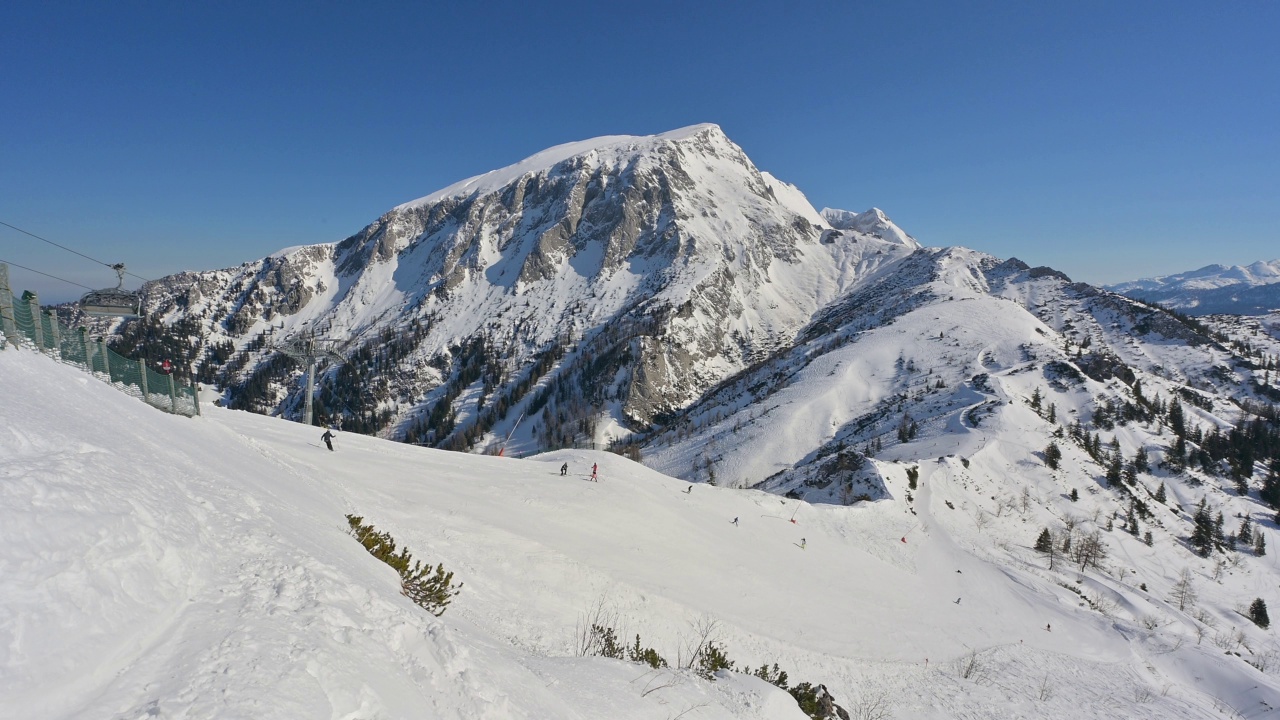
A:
112, 302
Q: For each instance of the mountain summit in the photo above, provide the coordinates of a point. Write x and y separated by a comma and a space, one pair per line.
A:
616, 279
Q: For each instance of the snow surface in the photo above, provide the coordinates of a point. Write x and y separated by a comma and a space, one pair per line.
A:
153, 566
614, 145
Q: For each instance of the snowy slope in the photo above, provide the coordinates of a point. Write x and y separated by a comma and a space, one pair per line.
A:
160, 568
155, 566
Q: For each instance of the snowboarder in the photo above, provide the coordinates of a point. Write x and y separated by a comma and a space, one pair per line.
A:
735, 522
594, 468
1046, 628
327, 437
564, 469
688, 490
803, 542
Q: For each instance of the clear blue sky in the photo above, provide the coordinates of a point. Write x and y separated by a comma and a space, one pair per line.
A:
1109, 140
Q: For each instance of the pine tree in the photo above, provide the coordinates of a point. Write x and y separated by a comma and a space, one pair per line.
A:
1114, 471
1202, 535
1141, 461
1160, 494
1052, 455
1044, 542
1075, 495
1130, 473
1245, 535
1258, 613
1259, 544
1035, 400
1176, 421
1271, 490
1177, 455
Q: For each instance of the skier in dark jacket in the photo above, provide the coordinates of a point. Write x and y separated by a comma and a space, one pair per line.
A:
564, 469
327, 437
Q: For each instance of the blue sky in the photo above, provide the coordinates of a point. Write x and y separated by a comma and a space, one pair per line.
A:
1108, 140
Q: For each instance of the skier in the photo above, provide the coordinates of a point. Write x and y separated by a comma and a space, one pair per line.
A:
564, 469
594, 468
735, 522
1046, 627
327, 437
688, 490
957, 601
803, 542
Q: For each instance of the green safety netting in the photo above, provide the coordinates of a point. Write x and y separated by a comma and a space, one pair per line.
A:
42, 331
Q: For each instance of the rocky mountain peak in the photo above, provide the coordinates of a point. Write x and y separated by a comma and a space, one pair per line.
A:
872, 222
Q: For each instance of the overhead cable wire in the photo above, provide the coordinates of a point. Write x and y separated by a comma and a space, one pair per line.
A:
64, 247
55, 277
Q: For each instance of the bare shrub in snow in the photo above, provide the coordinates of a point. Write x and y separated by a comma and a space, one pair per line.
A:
971, 666
871, 705
1184, 592
586, 640
1045, 691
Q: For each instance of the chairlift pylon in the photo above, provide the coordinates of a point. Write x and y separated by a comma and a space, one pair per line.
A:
113, 302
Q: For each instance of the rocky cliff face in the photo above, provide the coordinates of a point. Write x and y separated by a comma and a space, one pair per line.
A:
623, 276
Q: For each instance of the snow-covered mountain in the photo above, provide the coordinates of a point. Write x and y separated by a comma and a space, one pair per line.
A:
1213, 289
597, 285
155, 566
1020, 477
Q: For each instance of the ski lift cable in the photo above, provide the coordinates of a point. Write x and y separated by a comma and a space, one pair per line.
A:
64, 247
55, 277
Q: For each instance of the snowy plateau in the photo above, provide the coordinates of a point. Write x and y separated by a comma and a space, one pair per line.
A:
932, 482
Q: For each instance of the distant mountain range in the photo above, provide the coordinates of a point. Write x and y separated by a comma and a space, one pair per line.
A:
1213, 289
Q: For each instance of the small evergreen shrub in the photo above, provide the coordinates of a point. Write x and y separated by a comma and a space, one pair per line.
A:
816, 702
607, 642
772, 675
711, 660
430, 588
648, 656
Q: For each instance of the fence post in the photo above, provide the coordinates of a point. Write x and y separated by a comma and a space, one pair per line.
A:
106, 360
88, 351
173, 396
142, 367
33, 307
56, 329
8, 325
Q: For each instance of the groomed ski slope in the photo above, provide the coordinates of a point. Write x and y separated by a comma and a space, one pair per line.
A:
159, 567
